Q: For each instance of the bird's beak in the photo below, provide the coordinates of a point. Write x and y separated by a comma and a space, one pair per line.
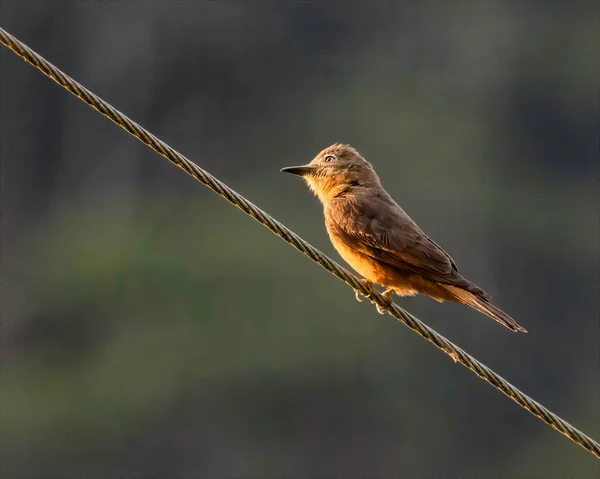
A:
299, 170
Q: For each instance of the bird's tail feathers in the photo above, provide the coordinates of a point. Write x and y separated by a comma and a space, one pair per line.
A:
482, 305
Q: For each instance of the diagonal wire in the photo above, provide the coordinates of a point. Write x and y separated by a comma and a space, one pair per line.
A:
456, 353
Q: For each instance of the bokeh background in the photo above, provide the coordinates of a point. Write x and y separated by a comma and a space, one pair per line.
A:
150, 328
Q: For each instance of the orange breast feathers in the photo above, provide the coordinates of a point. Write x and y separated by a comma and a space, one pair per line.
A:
373, 269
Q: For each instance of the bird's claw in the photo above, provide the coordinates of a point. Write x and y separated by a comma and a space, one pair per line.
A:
387, 296
368, 284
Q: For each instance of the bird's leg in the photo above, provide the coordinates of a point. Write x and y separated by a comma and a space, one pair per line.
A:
368, 284
387, 296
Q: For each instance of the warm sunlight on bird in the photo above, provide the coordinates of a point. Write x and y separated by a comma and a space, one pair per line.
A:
379, 240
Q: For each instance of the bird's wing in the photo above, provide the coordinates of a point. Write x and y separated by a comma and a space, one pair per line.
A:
376, 226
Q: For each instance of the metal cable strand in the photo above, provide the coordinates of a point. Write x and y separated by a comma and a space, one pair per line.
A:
456, 353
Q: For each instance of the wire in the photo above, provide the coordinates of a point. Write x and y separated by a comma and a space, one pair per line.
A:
456, 353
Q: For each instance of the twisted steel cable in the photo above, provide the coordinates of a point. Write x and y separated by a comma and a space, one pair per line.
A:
456, 353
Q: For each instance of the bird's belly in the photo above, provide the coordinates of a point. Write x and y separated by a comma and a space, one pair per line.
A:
375, 270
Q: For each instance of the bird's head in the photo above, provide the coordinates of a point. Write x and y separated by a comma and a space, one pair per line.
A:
335, 170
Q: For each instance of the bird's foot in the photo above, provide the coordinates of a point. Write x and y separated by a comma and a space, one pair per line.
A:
368, 284
387, 296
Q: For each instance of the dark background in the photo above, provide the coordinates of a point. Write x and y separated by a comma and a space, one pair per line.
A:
148, 327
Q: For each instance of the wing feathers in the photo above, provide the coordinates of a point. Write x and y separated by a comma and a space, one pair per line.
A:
377, 227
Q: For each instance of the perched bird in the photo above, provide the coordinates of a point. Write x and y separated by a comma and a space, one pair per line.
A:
379, 240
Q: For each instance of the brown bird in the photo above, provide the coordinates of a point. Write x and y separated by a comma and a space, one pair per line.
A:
379, 240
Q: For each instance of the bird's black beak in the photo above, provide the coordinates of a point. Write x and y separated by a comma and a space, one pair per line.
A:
299, 170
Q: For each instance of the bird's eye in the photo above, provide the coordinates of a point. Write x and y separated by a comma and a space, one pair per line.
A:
329, 158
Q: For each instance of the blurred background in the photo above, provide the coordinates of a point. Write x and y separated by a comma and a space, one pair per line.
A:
150, 328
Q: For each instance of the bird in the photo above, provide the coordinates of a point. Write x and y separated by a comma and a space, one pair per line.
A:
380, 241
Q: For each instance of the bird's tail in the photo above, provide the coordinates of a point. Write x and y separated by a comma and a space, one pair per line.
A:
482, 304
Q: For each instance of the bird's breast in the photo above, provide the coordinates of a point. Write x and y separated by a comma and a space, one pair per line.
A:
363, 264
370, 268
